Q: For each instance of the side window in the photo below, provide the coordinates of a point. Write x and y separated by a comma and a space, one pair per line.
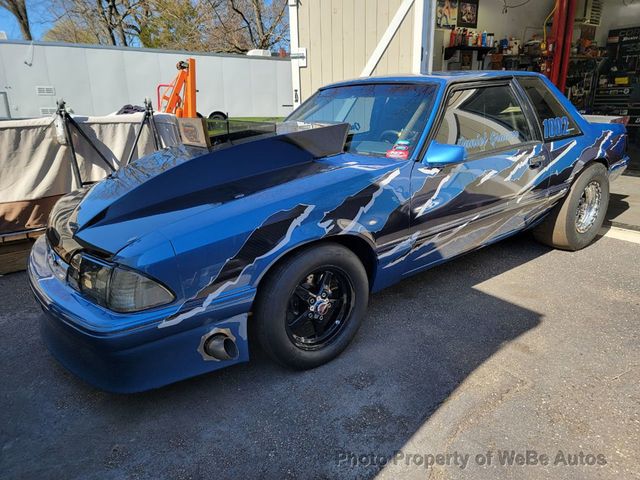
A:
555, 122
484, 119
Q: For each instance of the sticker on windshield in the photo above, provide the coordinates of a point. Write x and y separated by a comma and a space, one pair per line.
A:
400, 150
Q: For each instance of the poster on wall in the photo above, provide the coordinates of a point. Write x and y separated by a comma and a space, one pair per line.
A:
446, 13
468, 14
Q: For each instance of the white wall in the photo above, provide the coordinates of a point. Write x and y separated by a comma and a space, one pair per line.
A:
514, 22
617, 15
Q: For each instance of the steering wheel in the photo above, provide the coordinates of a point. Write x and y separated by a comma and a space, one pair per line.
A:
389, 136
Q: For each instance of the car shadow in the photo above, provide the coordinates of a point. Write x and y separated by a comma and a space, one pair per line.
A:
617, 206
421, 339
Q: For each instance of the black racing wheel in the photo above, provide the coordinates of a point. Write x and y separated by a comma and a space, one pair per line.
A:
309, 307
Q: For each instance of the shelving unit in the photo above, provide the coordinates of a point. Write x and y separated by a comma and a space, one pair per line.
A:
481, 52
611, 96
582, 80
617, 100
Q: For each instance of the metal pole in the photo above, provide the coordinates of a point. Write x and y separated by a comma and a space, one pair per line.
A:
566, 48
63, 115
430, 23
138, 133
294, 42
558, 34
152, 124
423, 36
88, 140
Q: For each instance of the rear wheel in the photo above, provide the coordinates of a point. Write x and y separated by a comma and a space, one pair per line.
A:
310, 306
574, 223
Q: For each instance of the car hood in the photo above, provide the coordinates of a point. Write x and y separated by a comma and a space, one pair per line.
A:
181, 181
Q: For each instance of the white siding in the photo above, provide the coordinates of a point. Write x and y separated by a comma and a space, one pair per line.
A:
340, 36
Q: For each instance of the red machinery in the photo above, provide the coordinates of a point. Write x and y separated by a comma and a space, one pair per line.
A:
558, 47
179, 97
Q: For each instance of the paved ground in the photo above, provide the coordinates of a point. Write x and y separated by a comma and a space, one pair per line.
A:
624, 202
512, 347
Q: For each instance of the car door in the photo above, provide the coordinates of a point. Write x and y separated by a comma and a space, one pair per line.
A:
494, 191
559, 132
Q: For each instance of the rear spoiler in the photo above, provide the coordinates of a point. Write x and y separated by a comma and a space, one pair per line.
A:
606, 119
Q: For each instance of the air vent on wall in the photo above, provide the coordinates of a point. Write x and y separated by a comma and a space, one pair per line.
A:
47, 111
592, 13
45, 91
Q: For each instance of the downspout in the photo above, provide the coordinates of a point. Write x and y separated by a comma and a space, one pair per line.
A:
423, 36
298, 55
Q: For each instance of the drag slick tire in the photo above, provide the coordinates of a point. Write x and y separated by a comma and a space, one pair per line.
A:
576, 220
310, 306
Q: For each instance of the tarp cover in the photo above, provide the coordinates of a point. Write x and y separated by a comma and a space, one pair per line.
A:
35, 169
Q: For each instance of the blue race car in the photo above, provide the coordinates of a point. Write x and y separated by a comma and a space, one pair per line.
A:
157, 273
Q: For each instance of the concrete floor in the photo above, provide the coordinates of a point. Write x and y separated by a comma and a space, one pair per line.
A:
624, 202
512, 347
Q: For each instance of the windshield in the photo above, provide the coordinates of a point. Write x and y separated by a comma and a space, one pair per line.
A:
386, 119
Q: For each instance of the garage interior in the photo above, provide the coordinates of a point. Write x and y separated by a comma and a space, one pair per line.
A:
589, 48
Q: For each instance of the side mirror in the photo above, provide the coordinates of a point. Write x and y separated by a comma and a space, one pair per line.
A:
443, 154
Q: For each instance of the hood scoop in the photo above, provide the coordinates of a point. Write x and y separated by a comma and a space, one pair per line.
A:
181, 177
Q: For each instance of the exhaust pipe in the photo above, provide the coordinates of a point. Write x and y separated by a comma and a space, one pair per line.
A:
221, 347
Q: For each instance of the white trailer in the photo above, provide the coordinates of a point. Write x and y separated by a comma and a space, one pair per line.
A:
98, 80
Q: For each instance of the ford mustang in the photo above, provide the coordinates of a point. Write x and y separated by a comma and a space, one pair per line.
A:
158, 272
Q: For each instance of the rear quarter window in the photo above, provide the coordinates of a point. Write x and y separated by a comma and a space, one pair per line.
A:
555, 122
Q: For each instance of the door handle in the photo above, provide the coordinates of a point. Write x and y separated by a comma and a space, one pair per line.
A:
536, 161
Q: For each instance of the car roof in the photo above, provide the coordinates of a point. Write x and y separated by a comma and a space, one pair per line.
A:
435, 77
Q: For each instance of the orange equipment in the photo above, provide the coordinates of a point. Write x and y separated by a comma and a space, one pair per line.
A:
170, 99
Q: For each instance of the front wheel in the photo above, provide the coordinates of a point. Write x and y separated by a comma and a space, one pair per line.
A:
311, 305
574, 223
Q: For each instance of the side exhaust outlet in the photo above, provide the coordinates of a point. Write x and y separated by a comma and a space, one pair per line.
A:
221, 347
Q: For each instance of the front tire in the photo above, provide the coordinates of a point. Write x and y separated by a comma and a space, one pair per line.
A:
310, 306
575, 222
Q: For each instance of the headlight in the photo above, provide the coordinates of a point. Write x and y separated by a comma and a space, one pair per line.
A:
116, 288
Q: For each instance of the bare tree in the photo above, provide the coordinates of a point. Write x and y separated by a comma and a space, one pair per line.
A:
19, 10
66, 30
202, 25
108, 21
242, 25
175, 24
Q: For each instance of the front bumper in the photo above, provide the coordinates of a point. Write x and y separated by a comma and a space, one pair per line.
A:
136, 352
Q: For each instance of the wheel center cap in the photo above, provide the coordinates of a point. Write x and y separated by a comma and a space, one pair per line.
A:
322, 307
